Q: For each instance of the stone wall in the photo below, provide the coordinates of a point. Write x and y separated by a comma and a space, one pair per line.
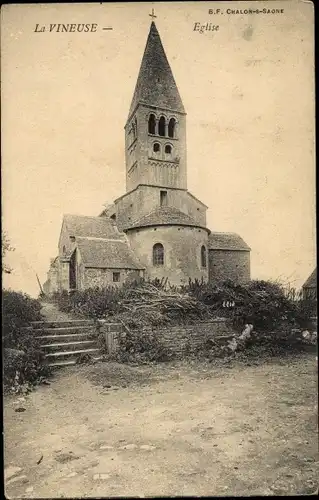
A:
182, 252
183, 340
66, 246
51, 285
144, 199
179, 340
138, 152
64, 281
104, 277
229, 264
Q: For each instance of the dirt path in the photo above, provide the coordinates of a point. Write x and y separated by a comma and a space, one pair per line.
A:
166, 430
51, 313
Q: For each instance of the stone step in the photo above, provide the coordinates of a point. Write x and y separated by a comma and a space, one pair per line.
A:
223, 337
69, 337
65, 330
69, 346
68, 362
63, 354
62, 324
62, 363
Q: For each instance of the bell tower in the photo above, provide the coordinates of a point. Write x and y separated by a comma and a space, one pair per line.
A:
155, 131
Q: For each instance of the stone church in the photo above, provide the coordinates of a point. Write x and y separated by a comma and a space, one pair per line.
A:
157, 228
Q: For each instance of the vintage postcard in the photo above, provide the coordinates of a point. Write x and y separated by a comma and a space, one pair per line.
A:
158, 213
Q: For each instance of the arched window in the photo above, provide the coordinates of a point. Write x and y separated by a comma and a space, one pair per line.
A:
171, 127
64, 249
151, 124
156, 147
203, 256
158, 254
161, 126
168, 149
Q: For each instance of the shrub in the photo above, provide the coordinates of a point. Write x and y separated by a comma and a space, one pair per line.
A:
266, 306
63, 301
93, 302
306, 308
262, 303
23, 358
18, 310
141, 346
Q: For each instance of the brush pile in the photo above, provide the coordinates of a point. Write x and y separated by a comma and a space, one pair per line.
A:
154, 305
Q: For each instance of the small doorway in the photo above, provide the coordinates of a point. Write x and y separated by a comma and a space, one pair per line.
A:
72, 271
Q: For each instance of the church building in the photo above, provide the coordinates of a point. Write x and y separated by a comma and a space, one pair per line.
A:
157, 228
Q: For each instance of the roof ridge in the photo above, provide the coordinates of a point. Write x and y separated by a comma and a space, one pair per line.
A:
86, 216
95, 238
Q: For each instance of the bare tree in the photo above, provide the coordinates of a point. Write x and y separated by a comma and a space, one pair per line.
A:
6, 247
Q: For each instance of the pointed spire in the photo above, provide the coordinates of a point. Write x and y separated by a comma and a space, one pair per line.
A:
155, 84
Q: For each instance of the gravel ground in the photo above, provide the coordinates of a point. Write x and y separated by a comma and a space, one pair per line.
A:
169, 429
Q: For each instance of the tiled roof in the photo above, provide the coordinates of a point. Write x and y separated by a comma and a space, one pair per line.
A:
112, 254
164, 216
97, 227
311, 282
155, 83
226, 241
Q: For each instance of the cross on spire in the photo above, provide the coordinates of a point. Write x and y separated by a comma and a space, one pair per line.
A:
152, 15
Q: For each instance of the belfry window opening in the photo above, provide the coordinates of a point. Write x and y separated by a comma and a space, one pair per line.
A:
168, 149
156, 147
171, 127
161, 126
158, 254
152, 124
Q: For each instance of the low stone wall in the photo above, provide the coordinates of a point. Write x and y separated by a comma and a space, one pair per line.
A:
183, 340
179, 340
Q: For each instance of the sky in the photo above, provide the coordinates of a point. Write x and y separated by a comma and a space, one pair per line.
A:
248, 90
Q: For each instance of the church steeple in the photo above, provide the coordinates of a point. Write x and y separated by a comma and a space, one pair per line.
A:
155, 131
156, 85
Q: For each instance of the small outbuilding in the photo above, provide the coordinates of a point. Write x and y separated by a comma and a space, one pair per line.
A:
309, 288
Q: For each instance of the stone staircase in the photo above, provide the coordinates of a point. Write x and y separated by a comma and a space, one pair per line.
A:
65, 341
